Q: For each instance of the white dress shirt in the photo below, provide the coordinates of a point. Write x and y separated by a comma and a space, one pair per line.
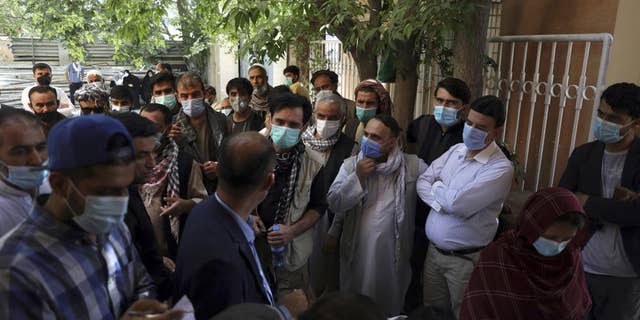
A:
465, 196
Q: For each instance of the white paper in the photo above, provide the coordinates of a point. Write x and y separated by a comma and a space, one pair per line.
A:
185, 305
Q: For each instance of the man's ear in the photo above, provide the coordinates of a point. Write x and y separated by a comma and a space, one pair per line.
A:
60, 184
268, 182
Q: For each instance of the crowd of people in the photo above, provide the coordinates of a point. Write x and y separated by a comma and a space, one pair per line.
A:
277, 202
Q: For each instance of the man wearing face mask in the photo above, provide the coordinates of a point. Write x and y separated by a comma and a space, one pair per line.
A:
371, 99
325, 136
23, 156
374, 194
163, 91
42, 75
328, 80
72, 258
297, 199
259, 80
429, 136
243, 118
292, 79
606, 173
44, 103
202, 129
174, 185
120, 99
465, 189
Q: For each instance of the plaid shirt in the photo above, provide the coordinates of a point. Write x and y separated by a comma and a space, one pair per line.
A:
52, 270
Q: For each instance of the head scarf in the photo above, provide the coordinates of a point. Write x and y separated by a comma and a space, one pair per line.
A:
513, 281
93, 92
383, 95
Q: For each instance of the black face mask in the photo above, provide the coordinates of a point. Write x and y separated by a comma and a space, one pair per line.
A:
50, 118
44, 80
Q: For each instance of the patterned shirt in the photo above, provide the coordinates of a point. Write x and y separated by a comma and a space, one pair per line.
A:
51, 270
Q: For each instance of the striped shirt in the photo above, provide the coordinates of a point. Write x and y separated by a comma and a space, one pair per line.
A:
51, 270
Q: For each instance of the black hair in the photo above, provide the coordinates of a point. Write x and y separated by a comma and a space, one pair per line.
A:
166, 66
623, 97
328, 73
156, 107
342, 305
292, 69
244, 161
137, 125
456, 88
121, 92
283, 88
190, 79
573, 218
490, 106
286, 100
40, 65
163, 77
12, 115
212, 89
243, 85
43, 89
389, 122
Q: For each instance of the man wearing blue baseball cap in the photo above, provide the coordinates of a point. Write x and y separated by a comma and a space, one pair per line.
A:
72, 258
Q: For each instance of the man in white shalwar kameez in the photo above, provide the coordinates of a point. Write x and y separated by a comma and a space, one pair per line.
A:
374, 200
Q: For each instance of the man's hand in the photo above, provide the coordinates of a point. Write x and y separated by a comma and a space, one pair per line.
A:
151, 309
169, 264
175, 131
296, 302
209, 169
330, 245
624, 194
176, 206
364, 168
282, 237
258, 226
582, 197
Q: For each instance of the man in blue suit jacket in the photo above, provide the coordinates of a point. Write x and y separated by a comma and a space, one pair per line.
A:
217, 264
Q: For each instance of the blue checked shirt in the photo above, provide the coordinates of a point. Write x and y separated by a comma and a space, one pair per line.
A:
52, 270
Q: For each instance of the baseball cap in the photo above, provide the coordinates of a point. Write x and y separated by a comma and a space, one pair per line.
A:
84, 141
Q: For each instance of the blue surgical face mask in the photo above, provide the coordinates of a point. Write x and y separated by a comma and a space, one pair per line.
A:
101, 213
25, 177
445, 116
193, 107
370, 148
364, 115
284, 137
168, 101
474, 138
288, 81
607, 132
549, 248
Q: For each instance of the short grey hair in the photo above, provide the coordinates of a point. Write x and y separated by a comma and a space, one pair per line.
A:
328, 96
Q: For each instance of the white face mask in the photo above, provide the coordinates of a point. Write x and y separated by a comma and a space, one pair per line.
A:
193, 107
101, 213
327, 128
239, 106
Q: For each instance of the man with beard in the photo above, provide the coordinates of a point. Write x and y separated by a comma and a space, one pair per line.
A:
259, 80
44, 103
42, 75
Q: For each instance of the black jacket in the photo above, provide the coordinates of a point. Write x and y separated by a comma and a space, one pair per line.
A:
583, 174
215, 266
143, 238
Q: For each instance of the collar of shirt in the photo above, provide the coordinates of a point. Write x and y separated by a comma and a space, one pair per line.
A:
483, 156
7, 190
245, 226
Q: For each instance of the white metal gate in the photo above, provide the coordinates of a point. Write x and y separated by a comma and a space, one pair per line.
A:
545, 82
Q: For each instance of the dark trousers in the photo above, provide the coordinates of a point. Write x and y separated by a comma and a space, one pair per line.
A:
613, 298
72, 90
413, 298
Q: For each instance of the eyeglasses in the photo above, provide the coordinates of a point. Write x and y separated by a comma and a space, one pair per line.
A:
88, 111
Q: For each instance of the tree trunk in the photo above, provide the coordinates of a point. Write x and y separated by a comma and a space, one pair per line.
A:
404, 98
470, 47
367, 63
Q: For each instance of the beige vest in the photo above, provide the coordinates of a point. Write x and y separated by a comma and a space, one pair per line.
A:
299, 250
